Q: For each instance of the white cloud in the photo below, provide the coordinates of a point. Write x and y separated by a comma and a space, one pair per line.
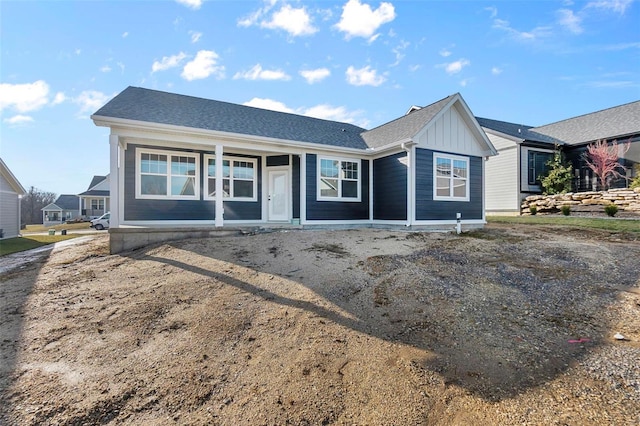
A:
359, 20
314, 76
204, 65
268, 104
570, 21
195, 36
492, 10
59, 98
619, 6
534, 34
444, 52
399, 52
125, 34
455, 67
496, 71
78, 52
296, 22
24, 97
90, 101
121, 66
414, 68
105, 68
465, 82
323, 111
168, 62
19, 119
364, 77
191, 4
257, 73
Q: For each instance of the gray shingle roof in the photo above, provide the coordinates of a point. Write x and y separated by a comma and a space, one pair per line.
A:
96, 180
611, 123
153, 106
96, 193
519, 131
405, 127
66, 202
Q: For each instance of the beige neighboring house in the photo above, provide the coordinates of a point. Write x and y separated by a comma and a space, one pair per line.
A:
94, 202
10, 193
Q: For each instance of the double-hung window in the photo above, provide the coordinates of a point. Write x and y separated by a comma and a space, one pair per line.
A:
537, 166
451, 182
166, 174
239, 182
338, 179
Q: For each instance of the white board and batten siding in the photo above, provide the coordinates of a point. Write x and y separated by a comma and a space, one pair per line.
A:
450, 133
501, 192
9, 209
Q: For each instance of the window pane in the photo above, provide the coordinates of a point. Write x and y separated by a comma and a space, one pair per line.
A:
182, 185
211, 167
442, 187
328, 187
329, 168
459, 188
153, 185
443, 167
242, 170
459, 169
243, 188
226, 169
211, 187
181, 165
153, 163
350, 188
350, 170
226, 188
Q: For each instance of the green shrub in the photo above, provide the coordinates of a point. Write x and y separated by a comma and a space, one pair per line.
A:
566, 210
533, 209
635, 183
611, 210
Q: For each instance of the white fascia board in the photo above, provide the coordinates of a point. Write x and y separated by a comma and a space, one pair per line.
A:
140, 129
394, 146
13, 181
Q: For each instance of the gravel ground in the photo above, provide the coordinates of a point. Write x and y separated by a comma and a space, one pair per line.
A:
508, 325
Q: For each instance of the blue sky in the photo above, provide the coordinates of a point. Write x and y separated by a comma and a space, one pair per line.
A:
359, 61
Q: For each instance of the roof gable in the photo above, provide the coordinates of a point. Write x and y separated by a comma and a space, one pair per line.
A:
11, 179
66, 202
95, 181
153, 106
612, 123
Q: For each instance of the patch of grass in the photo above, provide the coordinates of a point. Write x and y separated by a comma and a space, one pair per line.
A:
611, 225
14, 245
68, 226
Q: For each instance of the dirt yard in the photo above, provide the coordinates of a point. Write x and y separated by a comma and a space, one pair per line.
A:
509, 325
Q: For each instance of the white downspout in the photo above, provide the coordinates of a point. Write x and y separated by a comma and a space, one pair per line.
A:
114, 170
409, 148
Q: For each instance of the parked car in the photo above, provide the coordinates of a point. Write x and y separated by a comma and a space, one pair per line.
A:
102, 222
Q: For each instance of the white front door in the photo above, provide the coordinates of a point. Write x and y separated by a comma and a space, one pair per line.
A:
278, 198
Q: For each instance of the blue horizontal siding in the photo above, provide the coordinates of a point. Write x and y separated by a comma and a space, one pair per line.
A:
336, 210
390, 188
429, 209
152, 210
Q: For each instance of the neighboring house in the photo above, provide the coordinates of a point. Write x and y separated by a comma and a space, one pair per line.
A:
524, 150
65, 208
10, 193
173, 155
94, 202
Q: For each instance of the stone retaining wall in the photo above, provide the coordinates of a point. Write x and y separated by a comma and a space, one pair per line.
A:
626, 200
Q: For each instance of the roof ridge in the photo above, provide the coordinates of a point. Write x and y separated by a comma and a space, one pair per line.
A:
587, 114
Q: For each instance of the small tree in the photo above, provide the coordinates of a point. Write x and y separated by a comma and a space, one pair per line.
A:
602, 158
32, 203
559, 175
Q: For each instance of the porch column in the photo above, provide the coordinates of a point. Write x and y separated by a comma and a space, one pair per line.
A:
219, 188
114, 180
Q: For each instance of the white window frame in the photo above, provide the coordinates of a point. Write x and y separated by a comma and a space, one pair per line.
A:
452, 158
169, 154
340, 198
231, 178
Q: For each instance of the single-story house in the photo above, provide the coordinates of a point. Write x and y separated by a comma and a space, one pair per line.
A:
524, 151
10, 193
66, 207
94, 202
179, 161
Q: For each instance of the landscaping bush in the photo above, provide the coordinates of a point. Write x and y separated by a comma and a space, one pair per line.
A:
611, 210
533, 209
566, 210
